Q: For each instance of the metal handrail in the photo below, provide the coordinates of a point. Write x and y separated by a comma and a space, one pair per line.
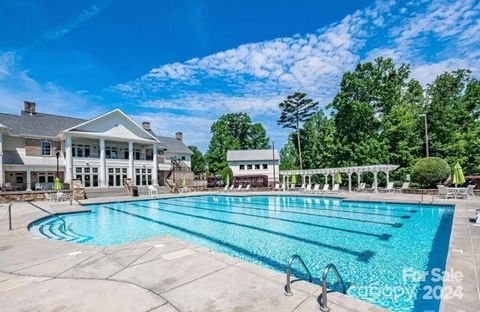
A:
324, 305
288, 287
38, 207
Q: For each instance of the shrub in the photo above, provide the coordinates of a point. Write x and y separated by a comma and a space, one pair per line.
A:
428, 172
226, 173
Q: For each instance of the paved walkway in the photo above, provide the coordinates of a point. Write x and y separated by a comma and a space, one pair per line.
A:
168, 274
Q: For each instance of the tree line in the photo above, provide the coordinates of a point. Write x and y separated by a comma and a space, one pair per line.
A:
375, 118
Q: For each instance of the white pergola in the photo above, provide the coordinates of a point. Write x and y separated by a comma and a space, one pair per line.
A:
349, 171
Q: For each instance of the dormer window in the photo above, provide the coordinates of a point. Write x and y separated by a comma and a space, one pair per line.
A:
45, 148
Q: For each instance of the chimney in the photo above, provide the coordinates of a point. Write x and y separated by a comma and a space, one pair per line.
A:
29, 107
146, 125
179, 136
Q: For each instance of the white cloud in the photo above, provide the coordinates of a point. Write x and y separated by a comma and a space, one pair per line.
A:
432, 36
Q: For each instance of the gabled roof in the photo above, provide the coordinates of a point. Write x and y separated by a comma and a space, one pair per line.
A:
37, 125
174, 145
256, 154
112, 128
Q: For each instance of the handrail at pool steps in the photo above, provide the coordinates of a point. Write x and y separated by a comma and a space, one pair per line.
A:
288, 287
323, 302
32, 204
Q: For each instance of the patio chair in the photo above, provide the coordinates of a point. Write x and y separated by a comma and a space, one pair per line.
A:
360, 188
316, 188
60, 196
335, 189
7, 187
444, 192
308, 188
225, 189
277, 187
284, 188
389, 188
467, 193
38, 186
302, 187
405, 186
152, 191
292, 187
240, 186
49, 197
247, 188
325, 188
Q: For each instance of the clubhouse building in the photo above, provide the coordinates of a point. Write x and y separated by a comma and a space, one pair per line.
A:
100, 152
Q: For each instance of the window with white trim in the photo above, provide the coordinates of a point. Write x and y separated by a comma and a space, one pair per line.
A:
45, 148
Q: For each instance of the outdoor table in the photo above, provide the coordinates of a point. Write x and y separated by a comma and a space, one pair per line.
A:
456, 190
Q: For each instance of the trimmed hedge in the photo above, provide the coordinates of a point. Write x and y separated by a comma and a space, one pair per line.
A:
428, 172
226, 173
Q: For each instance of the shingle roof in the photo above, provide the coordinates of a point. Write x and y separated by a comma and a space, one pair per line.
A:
38, 124
173, 145
245, 155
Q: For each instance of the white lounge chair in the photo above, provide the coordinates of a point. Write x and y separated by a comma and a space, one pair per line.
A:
335, 189
444, 192
225, 189
240, 186
283, 187
49, 197
308, 188
467, 193
247, 188
360, 188
302, 187
152, 191
316, 188
325, 188
389, 188
292, 187
277, 187
405, 186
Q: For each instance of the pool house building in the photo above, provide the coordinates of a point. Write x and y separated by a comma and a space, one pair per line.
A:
100, 152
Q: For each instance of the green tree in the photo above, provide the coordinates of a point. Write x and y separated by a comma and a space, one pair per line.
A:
233, 131
198, 161
318, 141
294, 111
452, 112
288, 155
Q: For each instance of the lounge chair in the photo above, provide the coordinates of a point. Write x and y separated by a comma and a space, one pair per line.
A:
277, 187
240, 186
225, 189
360, 188
152, 191
308, 188
444, 192
284, 188
389, 188
335, 189
247, 188
316, 188
467, 193
405, 186
302, 187
325, 188
292, 187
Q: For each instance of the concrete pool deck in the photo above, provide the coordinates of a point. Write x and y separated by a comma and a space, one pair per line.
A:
168, 274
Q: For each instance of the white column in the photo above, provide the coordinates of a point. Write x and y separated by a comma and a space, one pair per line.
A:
349, 181
333, 179
303, 179
29, 180
2, 174
375, 181
155, 166
359, 179
131, 169
326, 178
103, 165
387, 176
68, 159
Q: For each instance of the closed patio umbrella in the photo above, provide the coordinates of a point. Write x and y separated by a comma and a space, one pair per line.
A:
184, 182
294, 179
338, 178
458, 177
57, 186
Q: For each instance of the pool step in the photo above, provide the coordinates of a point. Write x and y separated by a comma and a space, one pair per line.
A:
100, 192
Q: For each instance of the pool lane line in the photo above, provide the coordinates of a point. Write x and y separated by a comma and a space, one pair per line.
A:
300, 207
342, 204
395, 225
363, 256
383, 237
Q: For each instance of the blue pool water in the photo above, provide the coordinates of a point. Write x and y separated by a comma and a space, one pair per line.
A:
370, 243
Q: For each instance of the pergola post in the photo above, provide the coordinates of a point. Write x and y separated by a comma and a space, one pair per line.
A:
333, 179
387, 173
375, 181
349, 181
326, 178
359, 178
303, 179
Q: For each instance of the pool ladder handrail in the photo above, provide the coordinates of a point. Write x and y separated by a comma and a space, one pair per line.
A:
323, 302
288, 287
38, 207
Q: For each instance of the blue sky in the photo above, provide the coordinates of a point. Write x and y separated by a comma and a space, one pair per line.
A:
181, 64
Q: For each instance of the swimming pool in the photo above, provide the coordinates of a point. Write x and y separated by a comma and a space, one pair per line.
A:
372, 244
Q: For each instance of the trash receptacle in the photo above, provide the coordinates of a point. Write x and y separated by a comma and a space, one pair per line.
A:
135, 191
